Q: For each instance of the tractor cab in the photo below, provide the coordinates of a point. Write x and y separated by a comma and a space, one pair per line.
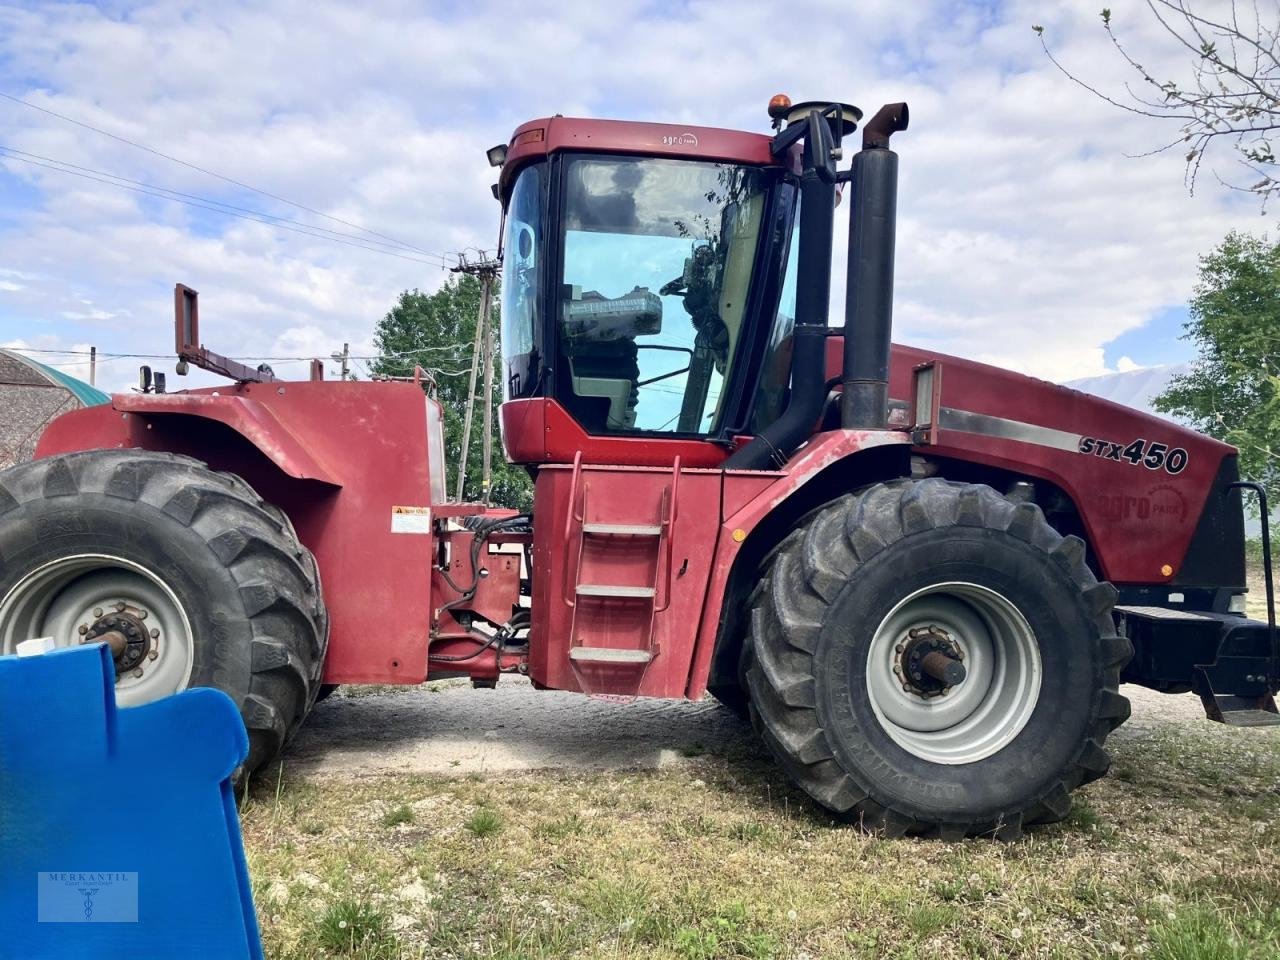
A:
649, 281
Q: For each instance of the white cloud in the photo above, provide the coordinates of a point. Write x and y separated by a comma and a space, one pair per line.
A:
1127, 365
1028, 236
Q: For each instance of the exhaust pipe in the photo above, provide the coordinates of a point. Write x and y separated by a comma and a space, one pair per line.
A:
868, 316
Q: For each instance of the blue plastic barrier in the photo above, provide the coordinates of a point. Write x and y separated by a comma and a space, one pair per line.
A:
119, 838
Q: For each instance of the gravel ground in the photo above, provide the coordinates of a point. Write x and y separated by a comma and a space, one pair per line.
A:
449, 728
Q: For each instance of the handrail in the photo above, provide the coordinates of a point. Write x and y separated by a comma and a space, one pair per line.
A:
1273, 673
569, 588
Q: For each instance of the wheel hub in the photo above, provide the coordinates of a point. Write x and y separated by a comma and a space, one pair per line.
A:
99, 598
124, 631
953, 672
929, 661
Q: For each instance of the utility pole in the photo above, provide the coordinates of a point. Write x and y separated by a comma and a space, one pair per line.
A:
344, 357
486, 269
93, 366
486, 304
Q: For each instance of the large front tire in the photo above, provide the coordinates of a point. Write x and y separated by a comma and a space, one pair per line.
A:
194, 579
854, 599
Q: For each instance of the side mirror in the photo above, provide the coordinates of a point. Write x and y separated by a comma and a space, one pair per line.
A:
820, 148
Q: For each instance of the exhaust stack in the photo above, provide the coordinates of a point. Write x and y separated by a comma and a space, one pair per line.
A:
868, 323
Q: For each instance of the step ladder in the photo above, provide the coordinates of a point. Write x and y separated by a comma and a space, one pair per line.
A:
618, 584
1237, 711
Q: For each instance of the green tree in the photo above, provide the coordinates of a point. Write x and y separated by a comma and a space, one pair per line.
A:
437, 331
1233, 390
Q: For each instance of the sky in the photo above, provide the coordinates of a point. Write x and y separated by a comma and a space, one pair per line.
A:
1031, 233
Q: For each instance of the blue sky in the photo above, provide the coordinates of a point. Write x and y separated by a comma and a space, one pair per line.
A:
1029, 235
1158, 342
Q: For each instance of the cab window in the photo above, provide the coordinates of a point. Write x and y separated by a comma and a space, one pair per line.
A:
658, 261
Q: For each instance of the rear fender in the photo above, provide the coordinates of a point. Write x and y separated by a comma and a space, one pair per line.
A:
343, 460
756, 520
255, 422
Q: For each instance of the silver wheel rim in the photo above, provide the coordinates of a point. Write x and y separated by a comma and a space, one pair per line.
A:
985, 711
65, 597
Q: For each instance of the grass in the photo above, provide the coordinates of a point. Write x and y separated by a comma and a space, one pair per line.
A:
397, 816
1198, 933
354, 928
714, 858
484, 823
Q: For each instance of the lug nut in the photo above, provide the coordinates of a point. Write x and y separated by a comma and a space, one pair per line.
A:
120, 606
899, 648
142, 614
83, 628
138, 672
97, 611
154, 633
153, 654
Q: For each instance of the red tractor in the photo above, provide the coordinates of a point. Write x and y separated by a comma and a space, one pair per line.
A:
922, 577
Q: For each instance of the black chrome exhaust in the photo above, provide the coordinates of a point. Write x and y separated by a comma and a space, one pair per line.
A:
868, 324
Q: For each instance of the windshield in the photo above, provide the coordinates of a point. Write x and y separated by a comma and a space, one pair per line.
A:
658, 261
521, 290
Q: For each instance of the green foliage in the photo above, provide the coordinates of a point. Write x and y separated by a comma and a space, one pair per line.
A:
355, 928
437, 332
1197, 933
726, 933
397, 816
1233, 391
484, 823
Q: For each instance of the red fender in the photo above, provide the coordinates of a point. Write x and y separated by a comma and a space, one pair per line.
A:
343, 460
824, 450
252, 420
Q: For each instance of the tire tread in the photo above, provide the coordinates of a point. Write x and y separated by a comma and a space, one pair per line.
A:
787, 612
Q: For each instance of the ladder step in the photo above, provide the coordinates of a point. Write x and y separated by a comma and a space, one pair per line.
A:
624, 529
613, 590
609, 655
1250, 718
1244, 711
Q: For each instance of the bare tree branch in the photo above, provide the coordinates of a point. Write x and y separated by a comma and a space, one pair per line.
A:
1233, 96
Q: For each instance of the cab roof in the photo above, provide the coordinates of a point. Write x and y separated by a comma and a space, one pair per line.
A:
539, 138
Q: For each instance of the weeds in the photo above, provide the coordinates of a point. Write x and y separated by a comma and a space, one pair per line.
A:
397, 816
484, 823
354, 928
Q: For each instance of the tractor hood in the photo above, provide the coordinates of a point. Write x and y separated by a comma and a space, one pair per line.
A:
1140, 484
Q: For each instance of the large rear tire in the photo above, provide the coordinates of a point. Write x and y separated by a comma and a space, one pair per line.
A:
193, 578
869, 585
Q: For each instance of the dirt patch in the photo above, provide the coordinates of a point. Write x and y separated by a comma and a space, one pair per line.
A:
450, 728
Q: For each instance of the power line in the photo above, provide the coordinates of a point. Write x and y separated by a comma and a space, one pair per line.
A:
169, 356
358, 244
210, 173
179, 196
